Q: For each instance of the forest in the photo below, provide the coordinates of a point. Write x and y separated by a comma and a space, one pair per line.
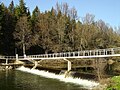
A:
51, 31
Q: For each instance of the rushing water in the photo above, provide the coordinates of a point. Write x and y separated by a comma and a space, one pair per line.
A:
26, 79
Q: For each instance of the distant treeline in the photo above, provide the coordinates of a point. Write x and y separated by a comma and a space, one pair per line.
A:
55, 30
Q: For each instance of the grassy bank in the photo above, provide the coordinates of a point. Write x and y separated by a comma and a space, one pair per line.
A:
114, 83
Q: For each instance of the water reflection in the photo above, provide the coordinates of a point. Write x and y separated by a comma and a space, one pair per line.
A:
17, 80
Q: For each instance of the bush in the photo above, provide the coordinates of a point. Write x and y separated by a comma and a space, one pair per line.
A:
114, 84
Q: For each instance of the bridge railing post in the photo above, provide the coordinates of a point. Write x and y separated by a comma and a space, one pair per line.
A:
99, 52
16, 57
64, 54
47, 55
73, 54
83, 53
90, 53
112, 51
78, 53
24, 55
53, 55
93, 52
6, 63
104, 51
96, 52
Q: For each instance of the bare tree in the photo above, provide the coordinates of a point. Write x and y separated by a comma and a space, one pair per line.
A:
22, 33
88, 19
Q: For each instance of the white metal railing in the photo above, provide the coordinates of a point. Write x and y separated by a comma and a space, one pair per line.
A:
10, 57
80, 54
77, 54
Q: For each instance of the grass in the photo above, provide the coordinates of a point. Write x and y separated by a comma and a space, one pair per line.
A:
114, 83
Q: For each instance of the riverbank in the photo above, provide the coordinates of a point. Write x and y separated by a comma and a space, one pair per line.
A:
114, 83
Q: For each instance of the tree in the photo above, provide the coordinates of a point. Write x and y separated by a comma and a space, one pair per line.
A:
23, 33
78, 44
88, 19
7, 28
45, 40
1, 15
11, 7
35, 15
21, 10
57, 30
1, 22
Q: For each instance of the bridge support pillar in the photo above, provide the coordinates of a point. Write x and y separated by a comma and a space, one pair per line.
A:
69, 66
36, 63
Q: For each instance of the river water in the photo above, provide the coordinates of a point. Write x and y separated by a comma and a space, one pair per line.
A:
26, 79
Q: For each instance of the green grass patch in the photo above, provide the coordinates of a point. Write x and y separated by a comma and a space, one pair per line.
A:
114, 83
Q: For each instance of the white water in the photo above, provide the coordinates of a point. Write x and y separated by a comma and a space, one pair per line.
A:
83, 82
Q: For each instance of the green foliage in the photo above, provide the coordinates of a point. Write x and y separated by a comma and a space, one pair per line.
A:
2, 7
35, 14
21, 10
11, 7
7, 24
115, 83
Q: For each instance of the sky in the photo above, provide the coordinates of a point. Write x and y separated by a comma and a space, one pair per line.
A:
106, 10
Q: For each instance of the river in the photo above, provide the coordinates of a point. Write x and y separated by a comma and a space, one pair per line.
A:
26, 79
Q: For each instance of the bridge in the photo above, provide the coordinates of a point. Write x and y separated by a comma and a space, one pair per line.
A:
97, 53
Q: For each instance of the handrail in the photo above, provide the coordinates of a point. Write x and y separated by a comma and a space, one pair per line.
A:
77, 54
80, 54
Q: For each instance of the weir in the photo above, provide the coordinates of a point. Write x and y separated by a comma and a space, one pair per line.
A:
85, 83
